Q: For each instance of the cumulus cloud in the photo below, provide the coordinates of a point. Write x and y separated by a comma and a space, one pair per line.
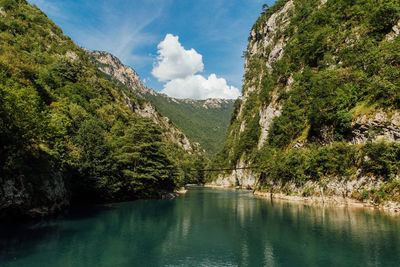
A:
178, 67
198, 87
174, 61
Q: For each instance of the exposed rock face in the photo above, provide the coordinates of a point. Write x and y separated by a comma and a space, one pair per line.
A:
266, 37
224, 181
17, 198
72, 55
379, 127
261, 42
174, 134
244, 178
323, 2
113, 67
267, 115
267, 43
215, 103
395, 32
276, 53
336, 191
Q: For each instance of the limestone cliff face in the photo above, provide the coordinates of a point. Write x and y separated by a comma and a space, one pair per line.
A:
180, 127
45, 196
375, 127
262, 43
113, 67
267, 90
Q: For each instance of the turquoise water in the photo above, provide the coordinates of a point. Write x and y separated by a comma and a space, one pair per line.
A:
206, 228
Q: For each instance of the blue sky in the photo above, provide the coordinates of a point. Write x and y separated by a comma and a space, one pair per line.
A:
132, 30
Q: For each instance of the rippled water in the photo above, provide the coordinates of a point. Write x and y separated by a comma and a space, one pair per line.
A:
206, 228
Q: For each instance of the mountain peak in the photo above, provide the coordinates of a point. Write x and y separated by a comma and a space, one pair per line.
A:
113, 66
204, 121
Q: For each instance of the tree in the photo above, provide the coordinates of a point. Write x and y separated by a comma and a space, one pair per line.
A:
94, 162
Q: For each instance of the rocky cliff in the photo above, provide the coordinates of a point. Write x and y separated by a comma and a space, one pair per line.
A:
315, 80
203, 121
113, 67
69, 133
48, 195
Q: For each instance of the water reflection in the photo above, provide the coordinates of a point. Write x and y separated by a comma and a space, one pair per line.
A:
206, 228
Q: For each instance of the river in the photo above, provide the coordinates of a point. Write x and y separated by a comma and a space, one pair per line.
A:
206, 227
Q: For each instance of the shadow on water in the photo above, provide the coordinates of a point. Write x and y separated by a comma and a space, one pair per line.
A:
206, 227
83, 227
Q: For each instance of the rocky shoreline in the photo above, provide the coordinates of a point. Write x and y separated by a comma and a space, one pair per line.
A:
390, 207
332, 201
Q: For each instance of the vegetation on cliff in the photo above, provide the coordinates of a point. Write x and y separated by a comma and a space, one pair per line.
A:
320, 65
58, 114
204, 121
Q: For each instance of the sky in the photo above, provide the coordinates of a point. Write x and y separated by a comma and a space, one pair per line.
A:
184, 48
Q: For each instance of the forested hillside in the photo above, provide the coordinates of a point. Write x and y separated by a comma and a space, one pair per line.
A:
204, 121
321, 102
66, 132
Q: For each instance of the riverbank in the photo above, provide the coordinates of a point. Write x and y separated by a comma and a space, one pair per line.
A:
222, 186
337, 201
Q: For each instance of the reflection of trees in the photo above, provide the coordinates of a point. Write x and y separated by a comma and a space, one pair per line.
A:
233, 227
209, 228
123, 234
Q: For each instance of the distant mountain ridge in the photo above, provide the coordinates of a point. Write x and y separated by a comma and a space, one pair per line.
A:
204, 121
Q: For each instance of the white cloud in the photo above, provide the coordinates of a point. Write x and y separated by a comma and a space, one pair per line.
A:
198, 87
174, 61
178, 67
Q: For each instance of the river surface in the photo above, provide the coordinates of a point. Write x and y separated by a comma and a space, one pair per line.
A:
206, 227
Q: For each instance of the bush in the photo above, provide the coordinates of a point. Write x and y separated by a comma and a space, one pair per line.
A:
381, 159
384, 18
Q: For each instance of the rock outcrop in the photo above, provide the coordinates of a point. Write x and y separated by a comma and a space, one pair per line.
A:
299, 114
244, 178
167, 111
267, 116
395, 32
113, 67
334, 191
376, 127
23, 198
266, 37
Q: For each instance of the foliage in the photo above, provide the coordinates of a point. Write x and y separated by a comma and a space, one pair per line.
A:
382, 159
337, 59
207, 126
58, 112
311, 163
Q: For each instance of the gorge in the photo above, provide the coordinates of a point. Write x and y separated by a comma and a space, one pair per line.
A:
98, 169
